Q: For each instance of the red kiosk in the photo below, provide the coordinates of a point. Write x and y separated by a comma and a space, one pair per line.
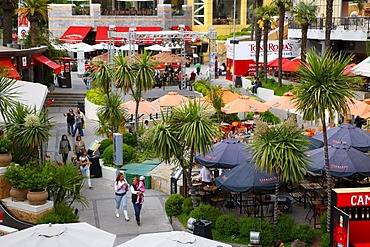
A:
350, 217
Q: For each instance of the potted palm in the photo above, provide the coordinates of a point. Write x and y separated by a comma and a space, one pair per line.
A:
16, 175
37, 182
5, 156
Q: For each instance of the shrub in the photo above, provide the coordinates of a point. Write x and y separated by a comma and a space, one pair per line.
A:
129, 139
325, 240
127, 154
16, 175
59, 214
173, 205
323, 221
269, 117
268, 235
108, 155
95, 96
285, 228
104, 144
304, 233
5, 145
187, 205
206, 212
227, 225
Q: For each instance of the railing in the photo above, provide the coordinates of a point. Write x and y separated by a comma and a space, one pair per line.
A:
141, 12
81, 11
348, 23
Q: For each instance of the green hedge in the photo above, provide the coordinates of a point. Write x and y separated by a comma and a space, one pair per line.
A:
104, 144
206, 212
60, 214
95, 96
228, 225
127, 150
173, 205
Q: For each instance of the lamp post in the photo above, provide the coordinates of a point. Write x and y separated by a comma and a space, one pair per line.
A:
183, 59
131, 40
212, 36
233, 77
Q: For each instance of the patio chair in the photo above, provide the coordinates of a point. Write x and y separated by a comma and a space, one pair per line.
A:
219, 200
296, 196
311, 212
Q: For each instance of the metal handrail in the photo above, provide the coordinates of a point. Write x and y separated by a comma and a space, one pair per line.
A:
348, 23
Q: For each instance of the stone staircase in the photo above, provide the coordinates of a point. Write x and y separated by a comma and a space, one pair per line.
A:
66, 99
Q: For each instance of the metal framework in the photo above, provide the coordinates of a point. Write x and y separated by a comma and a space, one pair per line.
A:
132, 36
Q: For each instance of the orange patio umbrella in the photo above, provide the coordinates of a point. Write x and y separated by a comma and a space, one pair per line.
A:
170, 99
292, 66
367, 101
227, 96
359, 108
284, 102
347, 70
245, 104
145, 107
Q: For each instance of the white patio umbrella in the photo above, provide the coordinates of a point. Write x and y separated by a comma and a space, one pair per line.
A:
172, 239
100, 46
60, 235
157, 47
81, 46
127, 47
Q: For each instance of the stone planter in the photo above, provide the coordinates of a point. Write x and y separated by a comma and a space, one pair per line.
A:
18, 195
5, 159
37, 198
108, 173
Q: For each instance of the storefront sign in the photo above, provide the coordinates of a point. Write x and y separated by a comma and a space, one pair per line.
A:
361, 199
247, 49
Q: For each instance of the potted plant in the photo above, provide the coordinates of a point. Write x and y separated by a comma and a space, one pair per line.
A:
37, 182
16, 175
5, 156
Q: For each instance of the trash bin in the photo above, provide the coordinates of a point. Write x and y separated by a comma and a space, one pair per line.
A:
203, 228
62, 81
95, 169
81, 105
238, 81
174, 177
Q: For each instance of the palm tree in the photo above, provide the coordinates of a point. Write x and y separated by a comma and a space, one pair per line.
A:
283, 6
110, 115
8, 7
124, 74
265, 16
328, 22
188, 130
323, 88
8, 96
280, 151
34, 10
259, 4
101, 75
304, 15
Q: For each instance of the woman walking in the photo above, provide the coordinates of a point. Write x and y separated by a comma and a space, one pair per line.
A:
79, 147
78, 125
85, 167
70, 120
64, 148
134, 196
121, 187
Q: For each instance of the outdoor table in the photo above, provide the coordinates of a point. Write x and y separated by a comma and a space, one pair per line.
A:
266, 201
309, 187
210, 190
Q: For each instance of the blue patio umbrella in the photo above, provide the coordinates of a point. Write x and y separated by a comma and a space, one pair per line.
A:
313, 143
225, 154
349, 135
344, 161
246, 179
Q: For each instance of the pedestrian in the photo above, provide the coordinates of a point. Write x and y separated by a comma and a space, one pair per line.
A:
198, 67
179, 77
278, 243
82, 114
70, 120
85, 167
206, 176
134, 194
146, 124
192, 80
79, 147
78, 124
141, 187
120, 188
256, 84
64, 148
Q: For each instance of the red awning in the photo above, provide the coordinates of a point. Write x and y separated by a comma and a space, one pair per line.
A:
176, 28
102, 33
75, 34
292, 66
44, 60
11, 72
275, 62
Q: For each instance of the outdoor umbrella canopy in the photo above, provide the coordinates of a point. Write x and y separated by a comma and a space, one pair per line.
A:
349, 135
275, 62
313, 143
227, 96
344, 161
226, 154
172, 239
246, 179
81, 46
244, 104
292, 66
362, 68
359, 108
347, 70
284, 102
59, 235
145, 107
170, 99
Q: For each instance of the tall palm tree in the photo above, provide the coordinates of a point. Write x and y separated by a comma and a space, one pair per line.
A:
283, 6
265, 16
101, 75
8, 7
188, 130
258, 31
323, 88
124, 74
304, 15
328, 23
34, 10
8, 96
280, 151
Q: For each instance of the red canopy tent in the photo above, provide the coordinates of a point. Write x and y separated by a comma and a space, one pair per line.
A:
292, 66
275, 62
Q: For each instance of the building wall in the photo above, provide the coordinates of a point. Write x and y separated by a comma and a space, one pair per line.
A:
60, 18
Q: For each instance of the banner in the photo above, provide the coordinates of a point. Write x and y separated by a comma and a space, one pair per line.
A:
247, 49
80, 63
23, 26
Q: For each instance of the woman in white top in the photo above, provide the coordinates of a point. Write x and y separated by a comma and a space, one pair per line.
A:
121, 187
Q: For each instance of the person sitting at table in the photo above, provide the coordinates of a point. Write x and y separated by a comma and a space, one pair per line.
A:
206, 176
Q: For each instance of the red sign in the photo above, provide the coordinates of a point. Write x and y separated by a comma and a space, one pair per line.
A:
354, 199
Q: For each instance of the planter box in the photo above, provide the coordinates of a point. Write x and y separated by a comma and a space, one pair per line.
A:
108, 173
90, 110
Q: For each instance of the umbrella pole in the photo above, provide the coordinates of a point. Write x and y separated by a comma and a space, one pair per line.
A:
240, 203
